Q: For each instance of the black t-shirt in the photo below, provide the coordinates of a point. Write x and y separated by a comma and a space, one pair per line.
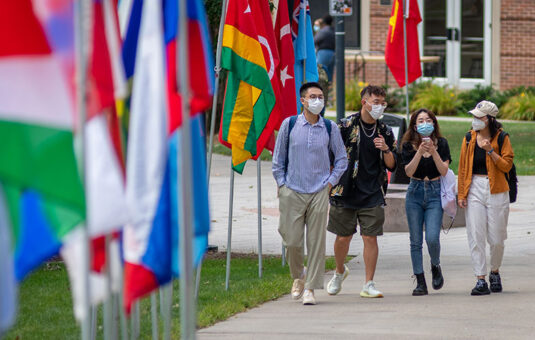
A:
368, 193
479, 166
426, 167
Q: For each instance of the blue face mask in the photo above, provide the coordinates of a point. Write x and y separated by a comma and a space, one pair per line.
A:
425, 129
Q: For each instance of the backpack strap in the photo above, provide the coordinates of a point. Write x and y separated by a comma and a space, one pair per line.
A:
291, 125
468, 137
501, 138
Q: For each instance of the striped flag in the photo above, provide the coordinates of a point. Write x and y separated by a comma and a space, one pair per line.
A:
249, 98
38, 169
151, 238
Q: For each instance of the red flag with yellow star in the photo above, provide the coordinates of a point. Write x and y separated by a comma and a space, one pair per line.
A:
394, 50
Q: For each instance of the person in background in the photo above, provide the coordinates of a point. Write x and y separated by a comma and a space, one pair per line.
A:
426, 156
359, 197
484, 193
302, 170
324, 41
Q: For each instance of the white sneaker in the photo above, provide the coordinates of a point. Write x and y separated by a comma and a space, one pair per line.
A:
308, 297
297, 289
369, 291
335, 284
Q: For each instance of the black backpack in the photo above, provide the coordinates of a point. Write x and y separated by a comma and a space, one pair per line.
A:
511, 178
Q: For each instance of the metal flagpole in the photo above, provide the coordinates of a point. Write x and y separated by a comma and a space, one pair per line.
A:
187, 298
229, 230
166, 297
135, 321
217, 70
154, 314
82, 28
405, 16
108, 304
259, 184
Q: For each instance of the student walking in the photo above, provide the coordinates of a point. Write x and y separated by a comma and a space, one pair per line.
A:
302, 169
426, 156
486, 158
359, 197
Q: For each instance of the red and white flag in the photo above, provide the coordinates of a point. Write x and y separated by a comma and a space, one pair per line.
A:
285, 69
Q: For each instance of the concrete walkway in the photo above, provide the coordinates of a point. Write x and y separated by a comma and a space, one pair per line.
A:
450, 313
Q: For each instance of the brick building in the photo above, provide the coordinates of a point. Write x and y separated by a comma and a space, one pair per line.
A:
476, 41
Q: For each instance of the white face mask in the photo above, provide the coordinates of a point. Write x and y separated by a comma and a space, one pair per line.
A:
315, 106
377, 111
478, 124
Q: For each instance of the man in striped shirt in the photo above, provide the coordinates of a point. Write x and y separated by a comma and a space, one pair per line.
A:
302, 169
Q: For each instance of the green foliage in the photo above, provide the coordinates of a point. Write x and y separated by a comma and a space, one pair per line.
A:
353, 88
442, 101
519, 107
469, 99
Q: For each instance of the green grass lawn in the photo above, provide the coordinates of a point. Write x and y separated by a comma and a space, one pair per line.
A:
522, 137
45, 303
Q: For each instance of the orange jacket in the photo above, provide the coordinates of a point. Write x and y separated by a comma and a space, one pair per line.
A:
495, 170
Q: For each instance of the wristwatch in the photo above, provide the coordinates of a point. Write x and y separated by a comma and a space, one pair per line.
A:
490, 151
387, 151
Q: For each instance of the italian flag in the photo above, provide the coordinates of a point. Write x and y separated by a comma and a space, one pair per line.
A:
249, 97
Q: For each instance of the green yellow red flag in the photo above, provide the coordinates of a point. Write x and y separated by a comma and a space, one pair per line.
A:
249, 96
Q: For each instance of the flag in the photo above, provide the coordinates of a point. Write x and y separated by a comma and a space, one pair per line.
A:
104, 162
249, 96
306, 68
394, 49
154, 149
38, 168
285, 69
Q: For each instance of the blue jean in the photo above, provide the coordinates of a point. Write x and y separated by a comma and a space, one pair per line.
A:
423, 205
326, 59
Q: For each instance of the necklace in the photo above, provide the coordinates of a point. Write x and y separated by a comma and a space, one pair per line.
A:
365, 128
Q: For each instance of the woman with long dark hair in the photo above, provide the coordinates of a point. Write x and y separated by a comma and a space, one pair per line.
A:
484, 192
426, 156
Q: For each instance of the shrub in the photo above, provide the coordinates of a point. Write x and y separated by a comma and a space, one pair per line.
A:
441, 100
469, 99
353, 88
519, 107
396, 97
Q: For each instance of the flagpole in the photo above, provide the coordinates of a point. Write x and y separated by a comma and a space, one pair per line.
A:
166, 297
109, 326
154, 314
405, 16
187, 299
217, 70
82, 28
259, 184
229, 229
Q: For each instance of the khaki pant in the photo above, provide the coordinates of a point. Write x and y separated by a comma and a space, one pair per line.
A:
297, 211
486, 221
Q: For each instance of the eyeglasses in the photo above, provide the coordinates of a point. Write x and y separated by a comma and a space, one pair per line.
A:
383, 104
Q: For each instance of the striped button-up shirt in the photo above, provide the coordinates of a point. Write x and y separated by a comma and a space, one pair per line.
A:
309, 169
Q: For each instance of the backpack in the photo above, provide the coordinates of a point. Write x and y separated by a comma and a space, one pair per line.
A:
291, 124
511, 177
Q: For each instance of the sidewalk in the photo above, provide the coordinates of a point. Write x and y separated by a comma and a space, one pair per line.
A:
450, 313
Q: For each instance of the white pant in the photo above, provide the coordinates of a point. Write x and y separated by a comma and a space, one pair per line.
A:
486, 218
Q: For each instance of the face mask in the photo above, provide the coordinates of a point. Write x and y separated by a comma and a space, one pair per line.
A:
478, 124
377, 111
315, 106
316, 28
425, 129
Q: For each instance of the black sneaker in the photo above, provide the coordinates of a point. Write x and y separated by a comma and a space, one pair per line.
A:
495, 282
481, 288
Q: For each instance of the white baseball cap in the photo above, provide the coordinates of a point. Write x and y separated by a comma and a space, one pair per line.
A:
485, 108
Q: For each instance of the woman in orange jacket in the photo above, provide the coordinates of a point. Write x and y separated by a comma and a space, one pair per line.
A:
484, 192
